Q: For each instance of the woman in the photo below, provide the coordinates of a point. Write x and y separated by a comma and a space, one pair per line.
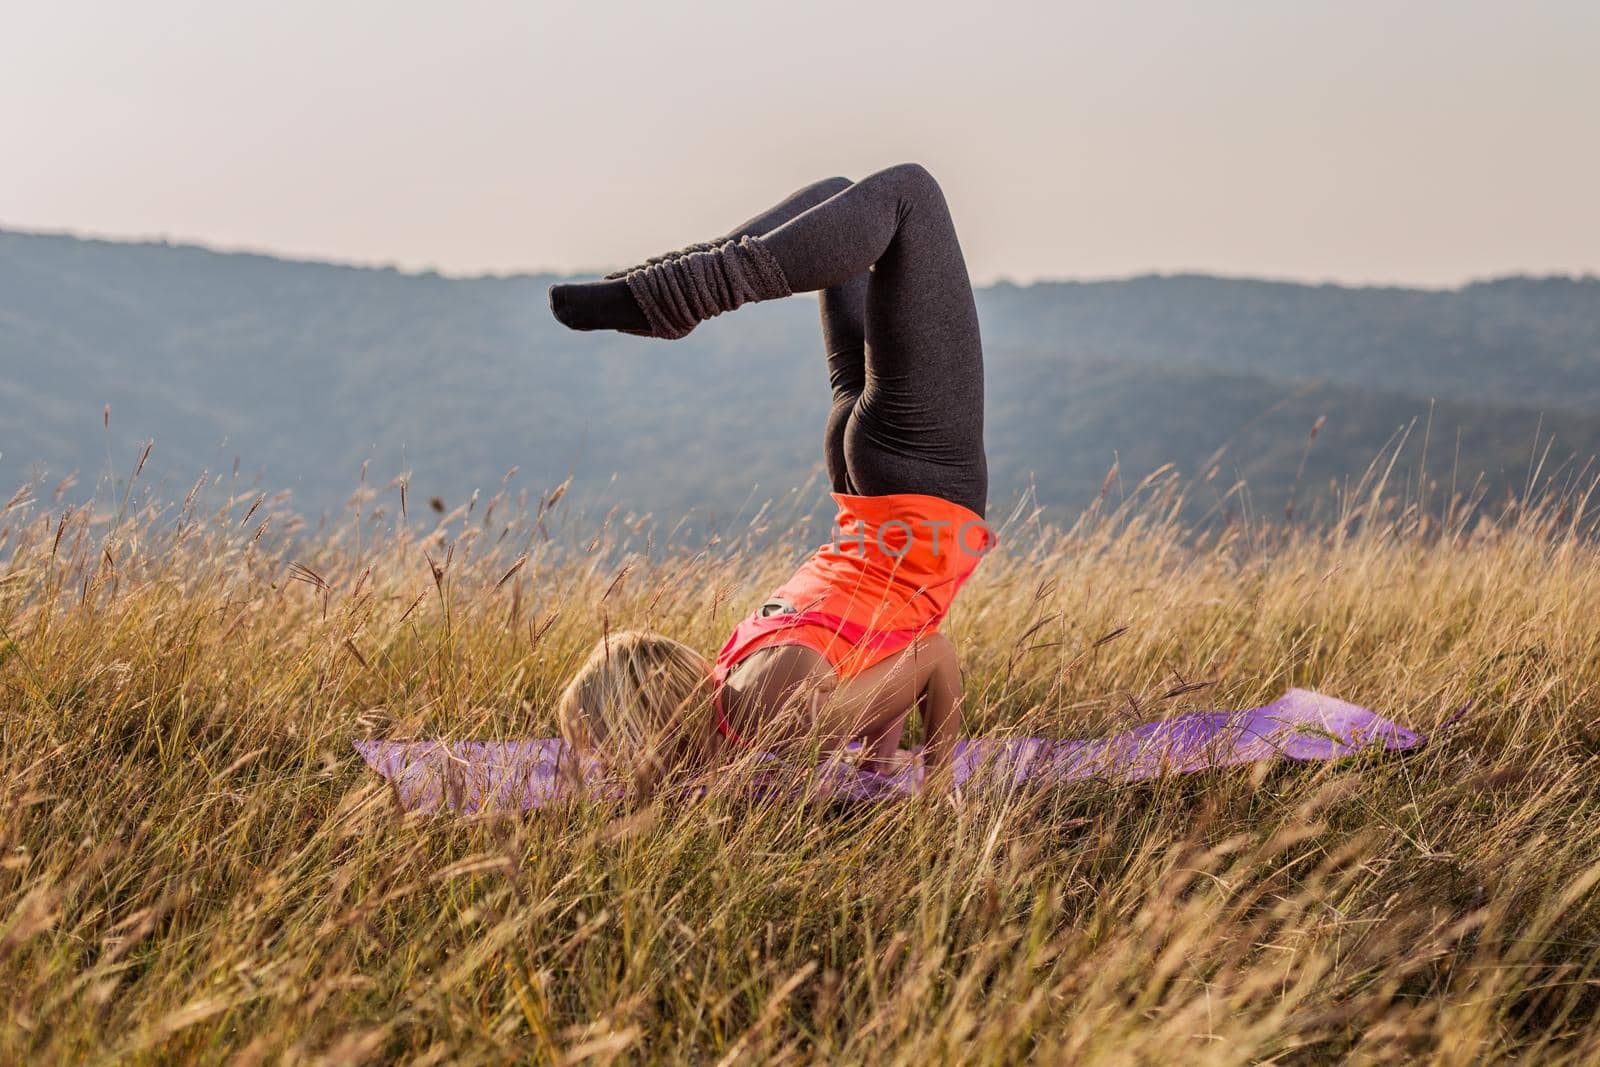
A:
849, 645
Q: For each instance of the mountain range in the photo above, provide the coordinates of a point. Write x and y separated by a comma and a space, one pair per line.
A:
301, 375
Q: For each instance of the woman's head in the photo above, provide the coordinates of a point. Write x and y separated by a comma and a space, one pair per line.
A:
641, 702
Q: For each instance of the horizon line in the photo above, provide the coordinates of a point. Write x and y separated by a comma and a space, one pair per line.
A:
1000, 281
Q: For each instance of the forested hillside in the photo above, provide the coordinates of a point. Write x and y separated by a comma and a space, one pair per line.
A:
302, 372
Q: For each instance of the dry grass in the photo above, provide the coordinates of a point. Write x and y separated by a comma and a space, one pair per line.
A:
197, 868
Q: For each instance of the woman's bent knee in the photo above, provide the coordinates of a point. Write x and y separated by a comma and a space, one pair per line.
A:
916, 181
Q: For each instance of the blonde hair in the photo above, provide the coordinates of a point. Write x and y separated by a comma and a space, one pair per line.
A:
641, 701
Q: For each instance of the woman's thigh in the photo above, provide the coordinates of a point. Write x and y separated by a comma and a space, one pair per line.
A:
918, 423
891, 446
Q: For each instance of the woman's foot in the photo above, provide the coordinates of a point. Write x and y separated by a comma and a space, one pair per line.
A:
602, 305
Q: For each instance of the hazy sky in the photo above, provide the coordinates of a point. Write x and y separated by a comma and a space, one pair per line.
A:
1421, 142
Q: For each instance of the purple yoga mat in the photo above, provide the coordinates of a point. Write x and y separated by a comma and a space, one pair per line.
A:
472, 776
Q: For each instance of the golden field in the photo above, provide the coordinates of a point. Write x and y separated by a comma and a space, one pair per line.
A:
195, 866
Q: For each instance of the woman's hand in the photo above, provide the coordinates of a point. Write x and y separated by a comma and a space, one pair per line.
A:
893, 763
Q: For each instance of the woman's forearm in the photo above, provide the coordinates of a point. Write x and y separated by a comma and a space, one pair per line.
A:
942, 717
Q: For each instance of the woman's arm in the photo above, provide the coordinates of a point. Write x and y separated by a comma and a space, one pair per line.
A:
941, 717
876, 701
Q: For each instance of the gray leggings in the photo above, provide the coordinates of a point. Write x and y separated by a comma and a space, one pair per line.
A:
900, 327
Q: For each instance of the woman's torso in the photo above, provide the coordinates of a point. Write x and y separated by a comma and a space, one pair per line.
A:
887, 576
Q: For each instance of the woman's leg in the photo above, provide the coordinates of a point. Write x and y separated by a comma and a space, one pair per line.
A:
843, 311
844, 327
801, 199
844, 337
917, 426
